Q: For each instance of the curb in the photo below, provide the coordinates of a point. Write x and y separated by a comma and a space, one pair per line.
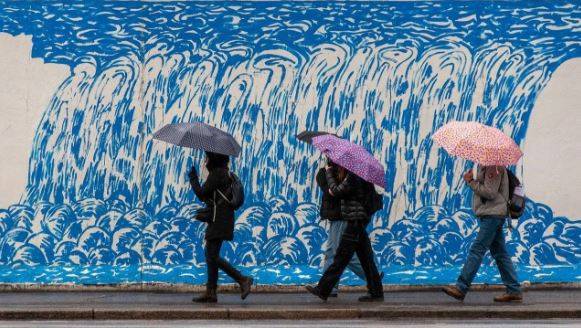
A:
46, 314
474, 314
231, 288
282, 314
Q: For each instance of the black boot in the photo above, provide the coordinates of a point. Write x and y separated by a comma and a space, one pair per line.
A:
371, 298
375, 296
316, 291
381, 275
208, 297
245, 286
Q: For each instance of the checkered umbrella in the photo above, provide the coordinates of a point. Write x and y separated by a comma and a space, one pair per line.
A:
199, 135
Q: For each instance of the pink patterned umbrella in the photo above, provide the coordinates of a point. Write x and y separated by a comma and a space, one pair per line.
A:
479, 143
352, 157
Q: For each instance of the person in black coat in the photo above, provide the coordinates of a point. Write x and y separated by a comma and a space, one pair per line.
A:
331, 211
352, 191
220, 224
330, 205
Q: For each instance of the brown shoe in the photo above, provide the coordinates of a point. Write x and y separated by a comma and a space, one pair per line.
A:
454, 292
506, 298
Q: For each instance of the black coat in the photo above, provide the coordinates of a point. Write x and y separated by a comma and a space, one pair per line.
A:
352, 191
330, 206
223, 225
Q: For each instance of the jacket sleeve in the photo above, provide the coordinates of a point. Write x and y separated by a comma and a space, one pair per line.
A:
339, 189
205, 191
489, 188
322, 180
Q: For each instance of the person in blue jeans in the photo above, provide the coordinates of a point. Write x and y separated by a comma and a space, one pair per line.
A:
331, 211
489, 202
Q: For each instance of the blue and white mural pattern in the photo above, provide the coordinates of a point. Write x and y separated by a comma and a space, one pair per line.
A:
105, 203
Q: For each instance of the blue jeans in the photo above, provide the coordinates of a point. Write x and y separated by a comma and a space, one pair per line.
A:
490, 237
336, 229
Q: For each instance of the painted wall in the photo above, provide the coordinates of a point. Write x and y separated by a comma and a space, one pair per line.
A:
89, 197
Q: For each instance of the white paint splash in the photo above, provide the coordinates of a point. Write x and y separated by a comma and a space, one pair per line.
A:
553, 143
26, 87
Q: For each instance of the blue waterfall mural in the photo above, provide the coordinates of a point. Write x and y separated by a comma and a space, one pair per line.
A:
105, 203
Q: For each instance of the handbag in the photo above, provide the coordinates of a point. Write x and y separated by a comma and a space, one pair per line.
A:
204, 214
208, 213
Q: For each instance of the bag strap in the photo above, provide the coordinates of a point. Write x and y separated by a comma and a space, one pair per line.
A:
507, 201
231, 184
214, 208
224, 196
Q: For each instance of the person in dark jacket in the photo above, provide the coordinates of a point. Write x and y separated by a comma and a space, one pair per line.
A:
352, 192
331, 212
220, 226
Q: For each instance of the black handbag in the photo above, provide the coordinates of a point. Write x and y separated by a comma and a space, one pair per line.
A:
208, 213
204, 214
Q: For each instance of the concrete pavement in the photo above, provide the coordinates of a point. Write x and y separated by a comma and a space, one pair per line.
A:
356, 323
538, 304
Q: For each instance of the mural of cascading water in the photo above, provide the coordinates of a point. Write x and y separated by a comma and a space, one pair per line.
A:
106, 203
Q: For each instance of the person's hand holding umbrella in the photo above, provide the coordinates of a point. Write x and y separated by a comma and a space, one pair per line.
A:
468, 176
193, 174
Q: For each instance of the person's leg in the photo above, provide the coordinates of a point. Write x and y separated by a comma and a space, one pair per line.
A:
212, 256
212, 252
334, 237
244, 281
336, 230
230, 270
486, 234
355, 267
334, 233
365, 255
343, 256
504, 262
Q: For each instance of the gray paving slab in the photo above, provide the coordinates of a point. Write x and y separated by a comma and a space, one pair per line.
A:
539, 304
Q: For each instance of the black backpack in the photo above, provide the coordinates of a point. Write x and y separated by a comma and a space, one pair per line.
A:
237, 191
516, 203
373, 201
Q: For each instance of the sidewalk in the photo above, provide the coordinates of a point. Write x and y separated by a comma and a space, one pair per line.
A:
538, 304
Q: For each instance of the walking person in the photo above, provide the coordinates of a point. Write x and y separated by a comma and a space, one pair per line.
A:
352, 191
489, 202
331, 212
220, 218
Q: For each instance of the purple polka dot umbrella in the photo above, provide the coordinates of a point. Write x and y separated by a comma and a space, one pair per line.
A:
352, 157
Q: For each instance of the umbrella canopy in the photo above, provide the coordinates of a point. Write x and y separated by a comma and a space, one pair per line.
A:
479, 143
307, 136
352, 157
199, 135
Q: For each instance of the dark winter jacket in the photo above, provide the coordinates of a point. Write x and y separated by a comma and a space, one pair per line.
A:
330, 206
223, 225
352, 192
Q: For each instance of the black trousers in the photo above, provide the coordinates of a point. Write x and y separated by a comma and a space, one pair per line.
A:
215, 262
353, 241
